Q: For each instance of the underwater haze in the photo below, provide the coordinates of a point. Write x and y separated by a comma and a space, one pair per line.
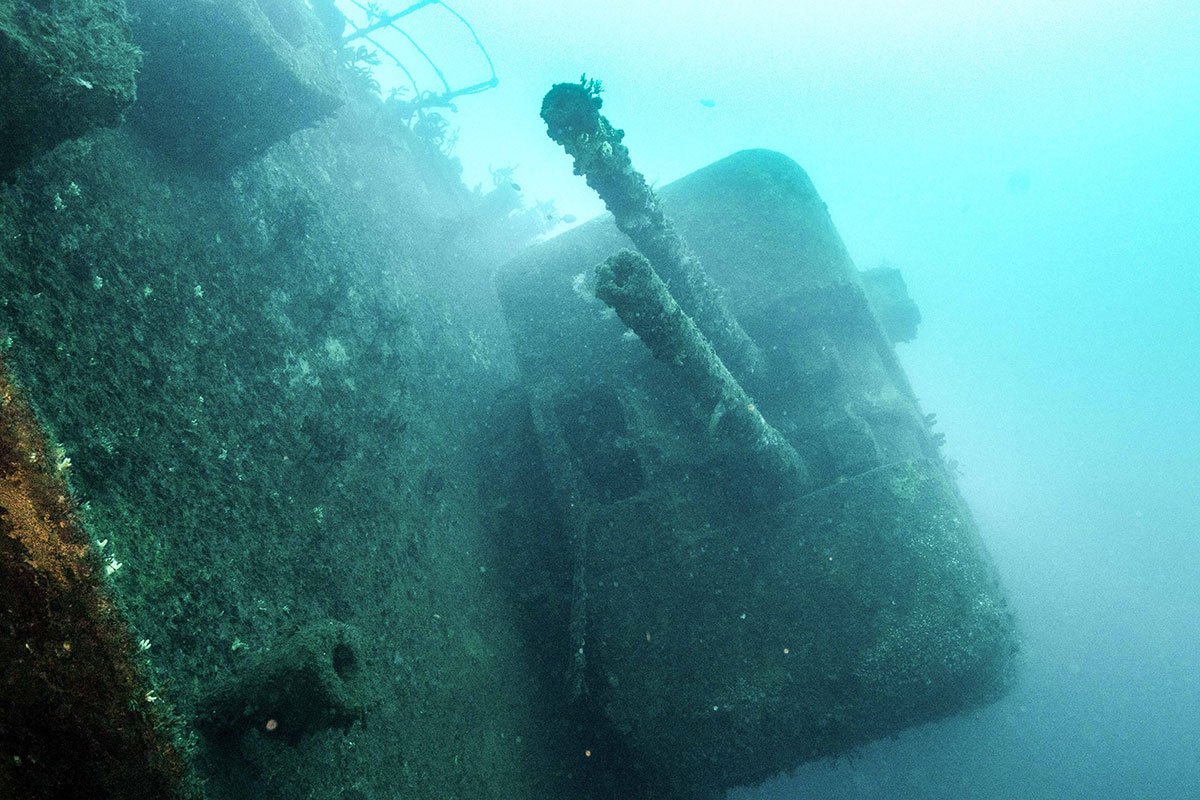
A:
347, 451
1032, 169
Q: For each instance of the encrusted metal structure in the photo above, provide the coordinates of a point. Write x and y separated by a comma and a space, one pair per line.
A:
725, 630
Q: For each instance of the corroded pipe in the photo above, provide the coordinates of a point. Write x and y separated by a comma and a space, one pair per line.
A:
628, 283
573, 119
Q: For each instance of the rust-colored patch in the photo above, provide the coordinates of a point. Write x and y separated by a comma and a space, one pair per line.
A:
78, 720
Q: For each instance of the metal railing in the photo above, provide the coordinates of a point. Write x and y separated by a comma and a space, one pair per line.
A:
378, 21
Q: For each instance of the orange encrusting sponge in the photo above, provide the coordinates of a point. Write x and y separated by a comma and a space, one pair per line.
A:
78, 719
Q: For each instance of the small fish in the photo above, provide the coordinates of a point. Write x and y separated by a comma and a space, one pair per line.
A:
707, 102
516, 186
568, 218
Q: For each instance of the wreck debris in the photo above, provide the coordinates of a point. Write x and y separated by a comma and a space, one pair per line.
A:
311, 681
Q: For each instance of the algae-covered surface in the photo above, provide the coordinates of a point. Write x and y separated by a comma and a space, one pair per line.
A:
67, 67
737, 621
79, 717
271, 389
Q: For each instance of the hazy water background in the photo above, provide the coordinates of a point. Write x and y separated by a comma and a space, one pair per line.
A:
1034, 171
